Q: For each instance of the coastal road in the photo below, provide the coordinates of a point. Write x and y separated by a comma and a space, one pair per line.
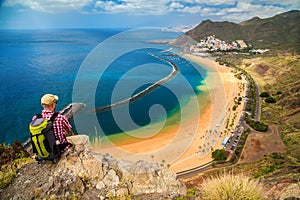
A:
194, 171
258, 102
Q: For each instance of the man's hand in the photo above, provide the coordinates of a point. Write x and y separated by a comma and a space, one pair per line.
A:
69, 133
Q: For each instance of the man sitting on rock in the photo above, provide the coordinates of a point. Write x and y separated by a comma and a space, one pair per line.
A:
64, 136
61, 124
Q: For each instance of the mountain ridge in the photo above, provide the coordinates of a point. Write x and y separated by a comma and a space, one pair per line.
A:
277, 32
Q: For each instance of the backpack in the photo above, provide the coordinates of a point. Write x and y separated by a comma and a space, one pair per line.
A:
43, 137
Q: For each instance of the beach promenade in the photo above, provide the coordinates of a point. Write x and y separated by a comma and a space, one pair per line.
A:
200, 135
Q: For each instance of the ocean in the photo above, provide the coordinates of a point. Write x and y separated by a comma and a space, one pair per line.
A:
97, 67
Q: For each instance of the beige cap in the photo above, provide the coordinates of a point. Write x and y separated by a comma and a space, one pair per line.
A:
49, 99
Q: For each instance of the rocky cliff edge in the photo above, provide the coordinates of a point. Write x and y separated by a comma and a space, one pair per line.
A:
83, 174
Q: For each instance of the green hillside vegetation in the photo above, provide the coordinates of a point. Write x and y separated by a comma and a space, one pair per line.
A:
11, 159
227, 31
279, 32
280, 77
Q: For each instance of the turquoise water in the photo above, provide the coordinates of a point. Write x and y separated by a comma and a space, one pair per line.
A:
87, 66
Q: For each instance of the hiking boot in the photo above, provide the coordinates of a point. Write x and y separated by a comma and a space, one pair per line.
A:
39, 159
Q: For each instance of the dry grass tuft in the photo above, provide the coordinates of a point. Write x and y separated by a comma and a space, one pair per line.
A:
229, 186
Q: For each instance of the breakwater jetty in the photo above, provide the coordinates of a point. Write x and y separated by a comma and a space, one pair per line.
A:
145, 91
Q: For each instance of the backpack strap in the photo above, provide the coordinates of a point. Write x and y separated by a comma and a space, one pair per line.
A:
53, 117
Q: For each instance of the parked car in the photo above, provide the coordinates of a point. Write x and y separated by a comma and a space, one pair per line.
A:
232, 148
228, 141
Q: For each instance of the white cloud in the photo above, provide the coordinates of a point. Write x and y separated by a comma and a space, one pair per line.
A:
207, 8
244, 11
176, 5
208, 11
49, 5
215, 2
192, 9
289, 3
133, 6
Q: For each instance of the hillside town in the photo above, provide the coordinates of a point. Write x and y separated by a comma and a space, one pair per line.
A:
211, 43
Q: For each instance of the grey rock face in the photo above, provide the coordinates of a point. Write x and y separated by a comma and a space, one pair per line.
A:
87, 175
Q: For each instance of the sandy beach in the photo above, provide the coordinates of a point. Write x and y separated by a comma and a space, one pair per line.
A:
218, 117
190, 143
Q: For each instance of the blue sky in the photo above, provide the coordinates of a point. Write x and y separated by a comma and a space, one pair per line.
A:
37, 14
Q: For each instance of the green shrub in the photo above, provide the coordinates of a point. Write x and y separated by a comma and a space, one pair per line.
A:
6, 177
264, 94
234, 107
277, 155
256, 125
270, 100
8, 171
191, 193
11, 159
219, 155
